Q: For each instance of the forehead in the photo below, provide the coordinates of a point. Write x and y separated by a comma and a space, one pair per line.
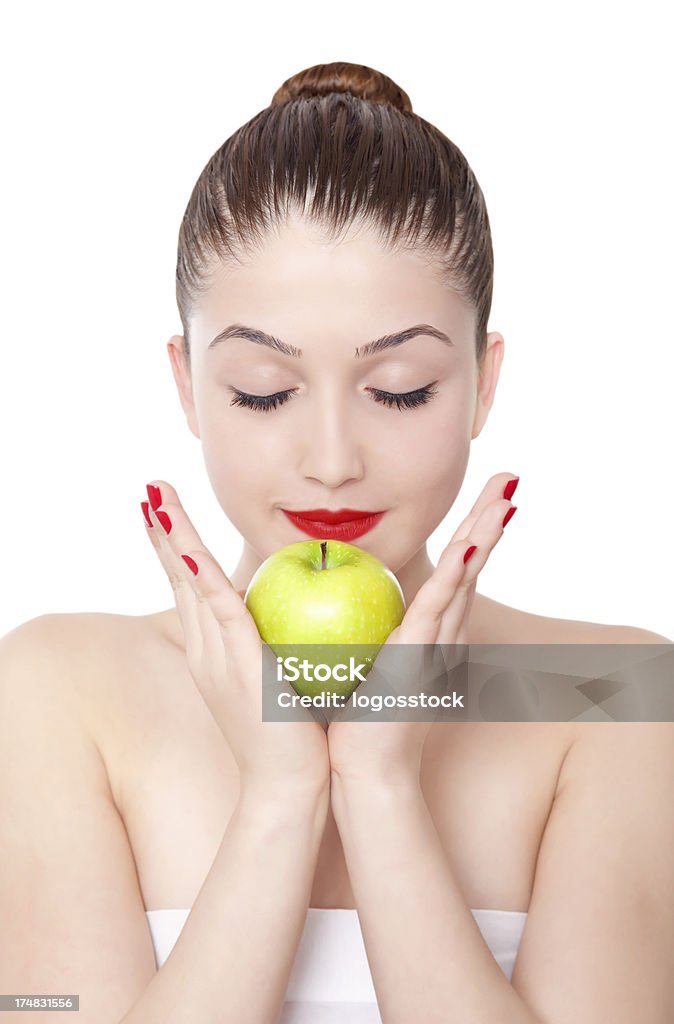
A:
298, 275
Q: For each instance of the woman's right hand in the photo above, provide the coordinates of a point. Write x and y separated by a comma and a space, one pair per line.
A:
224, 655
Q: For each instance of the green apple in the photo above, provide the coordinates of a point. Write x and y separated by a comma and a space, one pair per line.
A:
325, 593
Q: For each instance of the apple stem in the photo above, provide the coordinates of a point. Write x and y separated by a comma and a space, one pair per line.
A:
324, 546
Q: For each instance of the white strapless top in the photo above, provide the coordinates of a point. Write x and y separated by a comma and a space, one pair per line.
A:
330, 982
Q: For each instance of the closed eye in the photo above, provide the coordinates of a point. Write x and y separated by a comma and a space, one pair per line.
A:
399, 400
406, 400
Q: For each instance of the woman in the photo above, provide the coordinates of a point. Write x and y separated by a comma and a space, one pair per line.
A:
498, 871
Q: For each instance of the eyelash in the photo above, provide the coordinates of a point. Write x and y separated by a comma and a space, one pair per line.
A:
405, 400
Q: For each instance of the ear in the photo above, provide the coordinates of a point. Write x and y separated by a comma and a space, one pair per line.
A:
183, 379
488, 379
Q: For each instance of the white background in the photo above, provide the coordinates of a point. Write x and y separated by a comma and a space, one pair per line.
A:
111, 112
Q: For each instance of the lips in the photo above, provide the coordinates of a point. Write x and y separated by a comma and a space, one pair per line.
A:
344, 524
324, 515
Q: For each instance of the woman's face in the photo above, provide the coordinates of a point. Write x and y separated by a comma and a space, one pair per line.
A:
331, 444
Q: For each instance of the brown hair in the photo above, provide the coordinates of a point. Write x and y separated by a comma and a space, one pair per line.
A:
342, 139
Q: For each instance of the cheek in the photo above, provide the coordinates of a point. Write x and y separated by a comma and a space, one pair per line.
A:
430, 477
427, 444
234, 459
429, 463
229, 437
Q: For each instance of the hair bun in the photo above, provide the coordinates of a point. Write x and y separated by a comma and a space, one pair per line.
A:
362, 82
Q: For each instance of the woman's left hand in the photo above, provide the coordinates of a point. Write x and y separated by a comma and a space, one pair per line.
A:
439, 614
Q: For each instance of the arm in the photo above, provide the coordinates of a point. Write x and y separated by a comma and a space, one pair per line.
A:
598, 944
233, 958
428, 958
72, 912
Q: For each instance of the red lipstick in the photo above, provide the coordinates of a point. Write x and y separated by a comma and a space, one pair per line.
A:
345, 524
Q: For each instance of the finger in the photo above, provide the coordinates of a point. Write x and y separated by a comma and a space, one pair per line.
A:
204, 640
184, 593
501, 485
423, 618
462, 630
155, 538
485, 535
439, 605
209, 582
454, 625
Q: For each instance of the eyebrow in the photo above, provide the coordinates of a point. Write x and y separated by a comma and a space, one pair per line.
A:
259, 337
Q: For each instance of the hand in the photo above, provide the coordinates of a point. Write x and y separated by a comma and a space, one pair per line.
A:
439, 614
224, 656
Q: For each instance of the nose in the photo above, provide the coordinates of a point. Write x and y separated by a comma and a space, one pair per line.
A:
331, 447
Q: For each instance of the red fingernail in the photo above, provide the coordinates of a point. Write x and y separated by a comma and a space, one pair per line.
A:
154, 494
190, 563
509, 514
511, 487
164, 520
469, 552
146, 513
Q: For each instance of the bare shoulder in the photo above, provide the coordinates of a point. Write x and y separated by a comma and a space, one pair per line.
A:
84, 644
69, 633
86, 658
640, 751
501, 623
643, 750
